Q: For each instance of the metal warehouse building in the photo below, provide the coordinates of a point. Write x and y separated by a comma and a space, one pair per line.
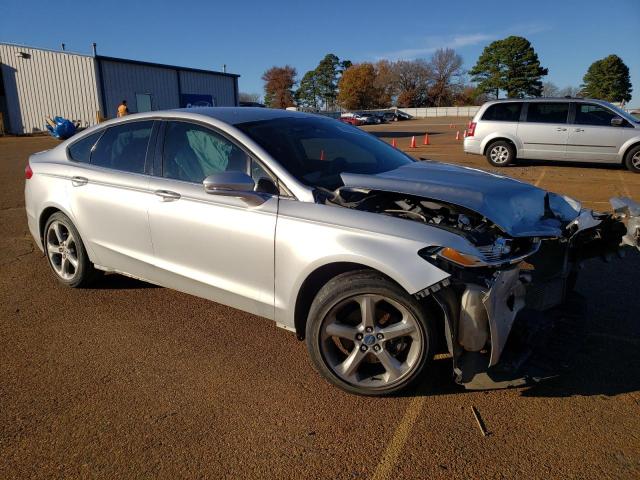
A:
37, 83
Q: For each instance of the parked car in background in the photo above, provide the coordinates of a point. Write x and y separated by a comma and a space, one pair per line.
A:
377, 260
368, 118
565, 129
351, 120
396, 116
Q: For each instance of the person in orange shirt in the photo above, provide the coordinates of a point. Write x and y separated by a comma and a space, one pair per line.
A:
123, 109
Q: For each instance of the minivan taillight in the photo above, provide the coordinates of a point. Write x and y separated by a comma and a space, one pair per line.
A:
472, 129
28, 173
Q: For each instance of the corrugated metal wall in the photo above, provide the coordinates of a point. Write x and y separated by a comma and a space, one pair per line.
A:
220, 87
122, 81
47, 84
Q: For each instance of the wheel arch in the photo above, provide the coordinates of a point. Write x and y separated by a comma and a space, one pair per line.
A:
627, 147
499, 138
323, 274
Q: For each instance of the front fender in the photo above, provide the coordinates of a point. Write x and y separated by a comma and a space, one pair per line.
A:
310, 236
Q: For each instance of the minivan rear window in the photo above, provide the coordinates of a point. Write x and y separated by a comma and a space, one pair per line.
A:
552, 112
503, 112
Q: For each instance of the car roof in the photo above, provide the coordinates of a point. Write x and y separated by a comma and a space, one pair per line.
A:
237, 115
548, 99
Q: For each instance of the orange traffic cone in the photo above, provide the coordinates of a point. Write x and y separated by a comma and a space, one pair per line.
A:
426, 139
451, 125
321, 154
458, 135
394, 143
413, 142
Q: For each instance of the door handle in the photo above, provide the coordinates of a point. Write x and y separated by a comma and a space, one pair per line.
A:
579, 129
561, 129
79, 181
167, 195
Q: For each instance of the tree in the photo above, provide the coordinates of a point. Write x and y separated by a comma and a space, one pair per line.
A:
319, 87
279, 82
445, 66
569, 91
549, 89
511, 65
608, 79
468, 95
358, 88
249, 97
413, 78
308, 94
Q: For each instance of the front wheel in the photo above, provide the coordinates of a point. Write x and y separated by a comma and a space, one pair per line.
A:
501, 153
632, 159
366, 335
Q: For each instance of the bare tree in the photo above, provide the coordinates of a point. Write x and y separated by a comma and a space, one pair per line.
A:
569, 91
446, 67
549, 89
249, 97
413, 79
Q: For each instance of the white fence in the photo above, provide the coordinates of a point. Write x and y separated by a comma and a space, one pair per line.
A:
468, 111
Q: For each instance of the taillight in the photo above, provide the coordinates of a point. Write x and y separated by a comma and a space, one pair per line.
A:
472, 129
28, 173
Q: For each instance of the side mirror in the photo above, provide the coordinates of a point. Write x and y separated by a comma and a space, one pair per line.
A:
227, 183
233, 184
617, 121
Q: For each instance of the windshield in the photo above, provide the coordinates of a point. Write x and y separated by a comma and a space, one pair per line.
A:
316, 150
624, 114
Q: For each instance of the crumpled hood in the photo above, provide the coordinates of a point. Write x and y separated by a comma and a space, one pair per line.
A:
516, 207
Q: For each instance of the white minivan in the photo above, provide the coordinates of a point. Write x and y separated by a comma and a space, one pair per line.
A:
571, 129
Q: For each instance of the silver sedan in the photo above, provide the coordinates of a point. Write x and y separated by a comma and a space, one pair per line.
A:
379, 262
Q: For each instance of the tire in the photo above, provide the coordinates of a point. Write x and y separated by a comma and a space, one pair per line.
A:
382, 354
632, 159
500, 153
63, 247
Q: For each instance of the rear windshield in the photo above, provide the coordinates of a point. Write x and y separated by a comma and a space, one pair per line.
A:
503, 112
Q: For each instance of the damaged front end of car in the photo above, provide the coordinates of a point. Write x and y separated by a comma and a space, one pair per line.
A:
510, 299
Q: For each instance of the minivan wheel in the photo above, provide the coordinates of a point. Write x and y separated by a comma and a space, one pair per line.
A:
66, 253
366, 335
632, 159
501, 153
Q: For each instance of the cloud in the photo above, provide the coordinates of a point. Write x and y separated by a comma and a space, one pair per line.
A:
432, 43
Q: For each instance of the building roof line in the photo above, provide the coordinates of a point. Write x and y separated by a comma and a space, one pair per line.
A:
126, 60
163, 65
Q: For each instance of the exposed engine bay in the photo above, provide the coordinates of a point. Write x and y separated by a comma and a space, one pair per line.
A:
510, 284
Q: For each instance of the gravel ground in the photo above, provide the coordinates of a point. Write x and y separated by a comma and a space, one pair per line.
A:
128, 380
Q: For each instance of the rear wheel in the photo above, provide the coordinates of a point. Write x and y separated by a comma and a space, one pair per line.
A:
501, 153
66, 253
632, 159
366, 335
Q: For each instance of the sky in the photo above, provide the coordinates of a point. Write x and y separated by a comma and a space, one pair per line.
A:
251, 36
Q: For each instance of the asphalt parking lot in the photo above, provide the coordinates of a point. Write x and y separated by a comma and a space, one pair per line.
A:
128, 380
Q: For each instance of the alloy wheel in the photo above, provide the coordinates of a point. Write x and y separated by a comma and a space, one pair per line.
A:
499, 154
371, 341
635, 160
62, 250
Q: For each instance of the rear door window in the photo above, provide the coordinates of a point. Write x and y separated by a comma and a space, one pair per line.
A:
123, 147
552, 112
80, 151
591, 114
503, 112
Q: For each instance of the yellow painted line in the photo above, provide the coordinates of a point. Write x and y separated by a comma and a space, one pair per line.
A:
400, 436
624, 184
544, 172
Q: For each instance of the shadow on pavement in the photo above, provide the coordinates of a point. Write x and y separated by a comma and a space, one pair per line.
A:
114, 281
606, 363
